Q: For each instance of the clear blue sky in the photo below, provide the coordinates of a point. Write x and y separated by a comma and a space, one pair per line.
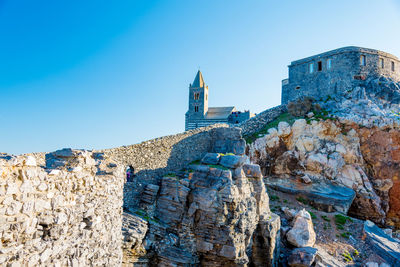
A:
98, 74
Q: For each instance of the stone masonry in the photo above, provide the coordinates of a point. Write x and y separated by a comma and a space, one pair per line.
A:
338, 70
68, 214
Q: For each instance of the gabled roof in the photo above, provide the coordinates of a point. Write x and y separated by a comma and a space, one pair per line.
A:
215, 113
198, 81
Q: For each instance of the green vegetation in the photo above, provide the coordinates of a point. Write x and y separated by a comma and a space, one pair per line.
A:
273, 124
227, 154
325, 218
346, 235
302, 200
320, 115
356, 253
285, 201
340, 227
143, 214
195, 162
170, 174
347, 256
313, 216
274, 198
341, 219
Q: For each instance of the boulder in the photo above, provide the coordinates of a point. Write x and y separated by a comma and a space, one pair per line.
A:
302, 257
323, 195
233, 161
302, 234
252, 171
211, 158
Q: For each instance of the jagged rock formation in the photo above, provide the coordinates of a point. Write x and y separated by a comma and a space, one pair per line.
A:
208, 214
322, 152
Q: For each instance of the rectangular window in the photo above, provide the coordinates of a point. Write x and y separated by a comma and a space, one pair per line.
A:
382, 63
196, 96
319, 65
196, 108
311, 67
363, 60
393, 69
329, 64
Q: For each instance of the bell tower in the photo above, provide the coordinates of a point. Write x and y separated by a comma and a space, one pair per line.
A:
198, 97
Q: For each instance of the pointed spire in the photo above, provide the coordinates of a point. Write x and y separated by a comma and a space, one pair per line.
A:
198, 81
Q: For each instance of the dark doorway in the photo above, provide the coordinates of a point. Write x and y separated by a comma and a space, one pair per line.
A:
319, 65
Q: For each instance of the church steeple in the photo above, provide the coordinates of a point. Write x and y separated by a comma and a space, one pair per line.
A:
198, 97
198, 81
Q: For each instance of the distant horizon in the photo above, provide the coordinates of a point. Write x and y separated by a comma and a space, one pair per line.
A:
96, 75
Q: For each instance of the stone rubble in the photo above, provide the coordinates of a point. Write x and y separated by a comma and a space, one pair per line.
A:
68, 214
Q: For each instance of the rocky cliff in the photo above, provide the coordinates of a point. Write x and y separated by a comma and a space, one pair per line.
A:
215, 212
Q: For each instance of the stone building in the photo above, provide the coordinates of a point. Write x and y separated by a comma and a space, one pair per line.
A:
199, 114
336, 71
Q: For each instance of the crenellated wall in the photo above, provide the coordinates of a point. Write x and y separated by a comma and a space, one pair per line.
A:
68, 214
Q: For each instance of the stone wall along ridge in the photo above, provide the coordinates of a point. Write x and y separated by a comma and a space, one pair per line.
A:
256, 123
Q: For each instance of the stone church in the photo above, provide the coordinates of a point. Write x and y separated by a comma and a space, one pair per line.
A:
200, 114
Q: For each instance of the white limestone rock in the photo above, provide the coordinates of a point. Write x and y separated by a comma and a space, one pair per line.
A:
302, 234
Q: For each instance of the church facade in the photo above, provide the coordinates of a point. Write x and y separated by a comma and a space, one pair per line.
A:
199, 114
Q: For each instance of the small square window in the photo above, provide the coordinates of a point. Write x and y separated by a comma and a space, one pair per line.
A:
311, 67
363, 61
382, 63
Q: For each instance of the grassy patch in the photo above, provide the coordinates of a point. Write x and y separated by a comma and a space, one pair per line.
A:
274, 198
285, 201
313, 216
302, 200
320, 115
171, 174
144, 215
325, 218
273, 124
346, 235
342, 220
195, 162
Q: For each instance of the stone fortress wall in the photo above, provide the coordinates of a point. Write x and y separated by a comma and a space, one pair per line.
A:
67, 214
336, 71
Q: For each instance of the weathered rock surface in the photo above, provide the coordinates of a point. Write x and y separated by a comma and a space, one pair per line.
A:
302, 234
322, 194
302, 257
208, 216
386, 247
337, 153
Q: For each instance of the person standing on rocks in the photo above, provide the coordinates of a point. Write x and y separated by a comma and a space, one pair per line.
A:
130, 173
